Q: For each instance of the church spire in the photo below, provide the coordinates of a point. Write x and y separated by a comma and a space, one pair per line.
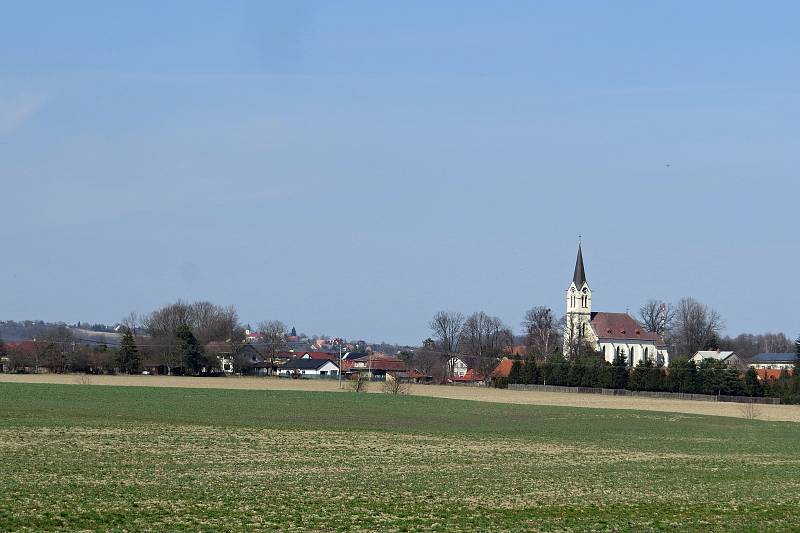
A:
580, 274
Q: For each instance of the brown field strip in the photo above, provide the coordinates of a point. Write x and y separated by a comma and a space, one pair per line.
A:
790, 413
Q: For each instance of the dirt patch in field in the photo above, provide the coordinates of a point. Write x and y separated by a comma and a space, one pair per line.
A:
790, 413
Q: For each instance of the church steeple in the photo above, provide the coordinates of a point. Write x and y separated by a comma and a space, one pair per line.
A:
579, 309
579, 278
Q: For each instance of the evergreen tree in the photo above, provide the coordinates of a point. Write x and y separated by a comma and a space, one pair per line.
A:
193, 356
515, 374
128, 355
619, 372
711, 377
797, 358
752, 386
683, 376
638, 376
733, 384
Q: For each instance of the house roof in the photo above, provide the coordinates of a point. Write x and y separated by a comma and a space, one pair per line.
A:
307, 364
219, 347
469, 377
774, 358
353, 355
621, 326
713, 354
769, 374
503, 369
579, 277
382, 362
320, 355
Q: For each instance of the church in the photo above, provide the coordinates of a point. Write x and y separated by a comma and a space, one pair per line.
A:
612, 334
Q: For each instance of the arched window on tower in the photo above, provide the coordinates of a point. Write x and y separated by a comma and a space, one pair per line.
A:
573, 301
584, 300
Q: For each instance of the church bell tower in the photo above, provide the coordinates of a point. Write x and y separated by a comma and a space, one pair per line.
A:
579, 308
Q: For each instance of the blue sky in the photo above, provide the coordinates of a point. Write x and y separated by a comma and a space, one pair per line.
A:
352, 167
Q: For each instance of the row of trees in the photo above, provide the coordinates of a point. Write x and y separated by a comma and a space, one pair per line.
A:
687, 327
709, 377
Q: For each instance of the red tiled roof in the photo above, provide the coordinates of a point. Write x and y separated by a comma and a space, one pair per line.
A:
770, 374
381, 362
22, 346
470, 376
503, 369
621, 326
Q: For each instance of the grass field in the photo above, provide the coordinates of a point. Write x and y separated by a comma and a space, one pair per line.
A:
179, 459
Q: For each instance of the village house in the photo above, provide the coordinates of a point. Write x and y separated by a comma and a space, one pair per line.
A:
729, 358
309, 368
375, 366
457, 366
773, 361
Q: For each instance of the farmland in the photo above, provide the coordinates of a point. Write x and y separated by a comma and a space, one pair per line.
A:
144, 458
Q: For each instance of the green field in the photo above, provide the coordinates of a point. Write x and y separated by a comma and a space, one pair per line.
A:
83, 457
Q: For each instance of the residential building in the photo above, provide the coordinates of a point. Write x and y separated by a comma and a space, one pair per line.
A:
773, 361
729, 358
317, 368
375, 366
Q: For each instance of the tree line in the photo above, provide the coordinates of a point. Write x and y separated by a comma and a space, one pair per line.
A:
709, 377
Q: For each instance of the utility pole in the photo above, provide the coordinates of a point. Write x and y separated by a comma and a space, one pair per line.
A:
339, 342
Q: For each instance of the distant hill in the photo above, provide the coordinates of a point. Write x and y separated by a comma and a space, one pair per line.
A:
11, 331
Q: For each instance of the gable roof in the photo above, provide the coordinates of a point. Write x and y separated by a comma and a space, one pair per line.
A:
503, 368
579, 277
307, 364
621, 326
713, 354
319, 355
381, 362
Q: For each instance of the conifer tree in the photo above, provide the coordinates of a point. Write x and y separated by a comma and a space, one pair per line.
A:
193, 356
619, 372
515, 374
797, 358
752, 385
530, 372
128, 355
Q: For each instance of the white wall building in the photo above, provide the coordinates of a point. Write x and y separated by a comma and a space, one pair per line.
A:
457, 367
729, 358
773, 361
309, 368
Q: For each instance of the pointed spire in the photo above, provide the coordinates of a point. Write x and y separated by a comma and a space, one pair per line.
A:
580, 274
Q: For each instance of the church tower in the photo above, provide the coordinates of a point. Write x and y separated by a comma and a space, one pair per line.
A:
579, 309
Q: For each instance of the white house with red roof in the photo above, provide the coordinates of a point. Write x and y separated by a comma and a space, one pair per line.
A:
612, 334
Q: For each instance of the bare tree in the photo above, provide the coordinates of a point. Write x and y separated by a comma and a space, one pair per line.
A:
484, 337
359, 382
431, 363
576, 338
446, 327
396, 385
697, 326
541, 330
657, 316
274, 338
133, 321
